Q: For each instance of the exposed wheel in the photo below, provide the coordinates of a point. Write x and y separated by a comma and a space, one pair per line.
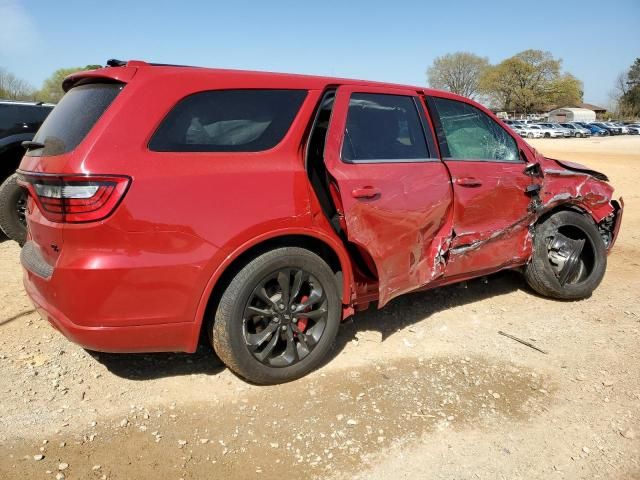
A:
529, 135
569, 258
547, 135
278, 317
13, 205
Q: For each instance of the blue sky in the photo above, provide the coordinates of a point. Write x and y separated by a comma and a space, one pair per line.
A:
387, 41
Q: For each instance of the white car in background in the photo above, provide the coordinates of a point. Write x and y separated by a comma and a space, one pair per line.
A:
525, 132
554, 126
577, 129
546, 132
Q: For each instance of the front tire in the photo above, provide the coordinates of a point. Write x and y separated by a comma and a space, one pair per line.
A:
569, 259
279, 316
13, 202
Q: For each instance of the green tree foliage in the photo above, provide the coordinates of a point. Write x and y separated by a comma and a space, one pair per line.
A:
530, 81
14, 88
51, 90
629, 100
458, 72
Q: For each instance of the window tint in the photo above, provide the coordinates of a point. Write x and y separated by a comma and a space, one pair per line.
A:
472, 135
76, 114
228, 121
383, 128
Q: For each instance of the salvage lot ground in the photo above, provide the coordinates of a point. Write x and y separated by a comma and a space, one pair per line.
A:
424, 388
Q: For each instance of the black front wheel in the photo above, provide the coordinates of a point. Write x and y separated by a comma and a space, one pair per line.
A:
569, 259
13, 206
278, 317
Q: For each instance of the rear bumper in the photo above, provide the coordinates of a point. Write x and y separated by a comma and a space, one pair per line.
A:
171, 337
106, 301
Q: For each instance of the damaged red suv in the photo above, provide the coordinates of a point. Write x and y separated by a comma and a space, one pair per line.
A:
168, 203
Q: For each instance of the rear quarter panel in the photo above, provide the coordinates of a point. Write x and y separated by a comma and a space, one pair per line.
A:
185, 214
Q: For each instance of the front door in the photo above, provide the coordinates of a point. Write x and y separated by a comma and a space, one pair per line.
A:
396, 195
491, 213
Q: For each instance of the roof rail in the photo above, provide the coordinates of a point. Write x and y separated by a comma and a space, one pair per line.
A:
114, 62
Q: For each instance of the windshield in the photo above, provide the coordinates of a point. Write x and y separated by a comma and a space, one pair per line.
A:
74, 117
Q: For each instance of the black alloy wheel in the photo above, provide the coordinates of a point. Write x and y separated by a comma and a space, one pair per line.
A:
278, 317
285, 317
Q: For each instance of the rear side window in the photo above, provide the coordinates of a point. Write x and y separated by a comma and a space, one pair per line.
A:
228, 121
383, 128
75, 115
470, 134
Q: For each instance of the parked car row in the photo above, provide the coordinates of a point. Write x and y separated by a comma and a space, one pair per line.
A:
526, 129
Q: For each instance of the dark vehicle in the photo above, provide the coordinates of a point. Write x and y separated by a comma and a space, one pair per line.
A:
19, 121
595, 130
612, 130
259, 210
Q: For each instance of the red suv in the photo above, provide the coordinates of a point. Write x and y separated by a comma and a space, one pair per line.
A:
262, 209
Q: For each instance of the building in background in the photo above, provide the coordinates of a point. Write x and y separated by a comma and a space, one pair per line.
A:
568, 114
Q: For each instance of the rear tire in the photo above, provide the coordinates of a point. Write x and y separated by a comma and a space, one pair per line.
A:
561, 268
12, 210
260, 330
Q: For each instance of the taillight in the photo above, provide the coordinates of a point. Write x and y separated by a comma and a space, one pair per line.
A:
75, 199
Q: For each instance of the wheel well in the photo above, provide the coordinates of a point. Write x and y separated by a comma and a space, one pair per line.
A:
566, 207
312, 244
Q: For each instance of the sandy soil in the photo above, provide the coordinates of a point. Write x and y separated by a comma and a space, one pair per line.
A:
425, 388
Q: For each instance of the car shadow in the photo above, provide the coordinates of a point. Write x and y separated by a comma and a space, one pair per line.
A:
149, 366
400, 313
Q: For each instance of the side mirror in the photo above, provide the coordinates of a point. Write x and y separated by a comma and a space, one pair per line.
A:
533, 169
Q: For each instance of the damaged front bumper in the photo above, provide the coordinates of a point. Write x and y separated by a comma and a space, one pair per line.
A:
610, 225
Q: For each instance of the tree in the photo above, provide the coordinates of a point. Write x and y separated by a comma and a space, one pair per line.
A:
14, 88
529, 81
458, 72
51, 90
628, 91
566, 90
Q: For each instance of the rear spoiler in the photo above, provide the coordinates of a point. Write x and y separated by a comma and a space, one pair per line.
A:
121, 74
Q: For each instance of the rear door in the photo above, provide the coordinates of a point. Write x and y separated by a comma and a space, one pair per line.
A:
395, 192
491, 213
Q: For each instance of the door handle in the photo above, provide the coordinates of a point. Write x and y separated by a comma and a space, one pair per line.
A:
468, 182
365, 192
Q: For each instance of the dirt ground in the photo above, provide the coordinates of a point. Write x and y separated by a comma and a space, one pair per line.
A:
425, 388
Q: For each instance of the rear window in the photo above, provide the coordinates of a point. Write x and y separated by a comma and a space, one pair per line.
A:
228, 121
73, 117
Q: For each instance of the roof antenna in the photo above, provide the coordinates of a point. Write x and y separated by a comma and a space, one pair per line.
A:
112, 62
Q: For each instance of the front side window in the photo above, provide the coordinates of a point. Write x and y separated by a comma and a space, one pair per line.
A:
470, 134
383, 128
228, 121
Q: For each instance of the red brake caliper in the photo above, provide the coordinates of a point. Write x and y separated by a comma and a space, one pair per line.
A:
302, 321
